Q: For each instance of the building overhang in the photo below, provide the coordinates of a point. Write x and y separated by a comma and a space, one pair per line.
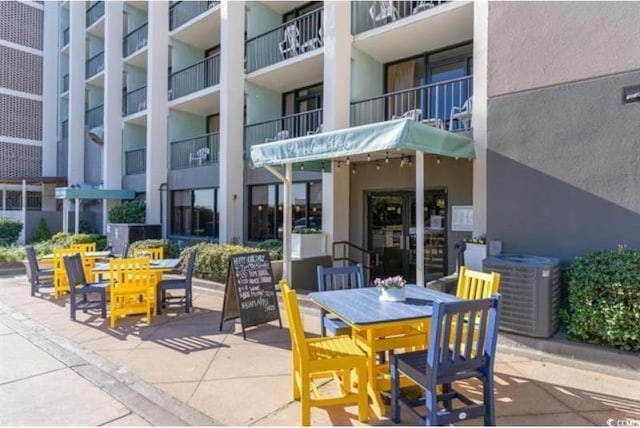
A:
80, 193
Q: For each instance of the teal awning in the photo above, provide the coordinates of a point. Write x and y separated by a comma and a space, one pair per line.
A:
402, 134
80, 193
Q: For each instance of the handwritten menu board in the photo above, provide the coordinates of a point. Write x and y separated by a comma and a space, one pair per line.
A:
249, 293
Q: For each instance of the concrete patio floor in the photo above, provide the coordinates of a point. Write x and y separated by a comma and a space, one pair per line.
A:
183, 359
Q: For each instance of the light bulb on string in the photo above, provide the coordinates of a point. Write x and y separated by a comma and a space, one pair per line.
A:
301, 167
353, 170
322, 166
386, 159
410, 164
368, 157
377, 165
348, 161
438, 160
401, 161
338, 165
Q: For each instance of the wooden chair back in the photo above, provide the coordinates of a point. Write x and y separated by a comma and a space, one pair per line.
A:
296, 328
84, 248
153, 253
477, 285
340, 278
132, 288
60, 280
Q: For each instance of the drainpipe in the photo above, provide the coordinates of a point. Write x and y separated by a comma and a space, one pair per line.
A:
163, 187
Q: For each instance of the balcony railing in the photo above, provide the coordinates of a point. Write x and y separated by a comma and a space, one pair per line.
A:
65, 130
65, 37
135, 40
196, 151
195, 77
135, 101
65, 83
135, 161
63, 150
366, 15
303, 34
94, 117
95, 12
184, 11
294, 125
95, 65
445, 104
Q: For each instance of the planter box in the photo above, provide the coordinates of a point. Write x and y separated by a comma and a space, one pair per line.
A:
305, 245
474, 255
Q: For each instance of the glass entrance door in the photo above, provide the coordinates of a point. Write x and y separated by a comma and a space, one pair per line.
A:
392, 234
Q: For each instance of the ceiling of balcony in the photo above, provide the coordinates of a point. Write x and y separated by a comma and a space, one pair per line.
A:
203, 31
142, 5
284, 6
303, 70
204, 102
439, 27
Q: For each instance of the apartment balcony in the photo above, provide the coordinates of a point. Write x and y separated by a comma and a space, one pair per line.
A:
195, 152
135, 41
288, 56
195, 89
196, 23
291, 126
94, 117
65, 84
65, 37
135, 162
62, 157
95, 19
134, 106
405, 28
95, 70
446, 105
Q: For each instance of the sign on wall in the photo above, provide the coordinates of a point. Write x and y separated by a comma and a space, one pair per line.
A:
461, 218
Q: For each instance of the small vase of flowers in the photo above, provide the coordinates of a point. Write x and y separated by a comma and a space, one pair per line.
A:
392, 289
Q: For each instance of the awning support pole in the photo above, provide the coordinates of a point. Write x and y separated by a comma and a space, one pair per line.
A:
77, 217
65, 215
23, 234
286, 231
419, 218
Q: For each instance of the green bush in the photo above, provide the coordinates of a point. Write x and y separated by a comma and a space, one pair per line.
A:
64, 240
171, 250
12, 253
604, 299
42, 233
212, 259
273, 246
9, 230
133, 211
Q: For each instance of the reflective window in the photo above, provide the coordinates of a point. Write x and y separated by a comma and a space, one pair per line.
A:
195, 213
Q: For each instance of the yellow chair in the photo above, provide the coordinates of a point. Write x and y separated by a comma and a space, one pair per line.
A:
322, 358
477, 285
153, 253
132, 287
60, 280
87, 263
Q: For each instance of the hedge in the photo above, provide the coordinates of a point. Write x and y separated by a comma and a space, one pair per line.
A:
212, 259
9, 230
171, 250
604, 299
64, 240
133, 211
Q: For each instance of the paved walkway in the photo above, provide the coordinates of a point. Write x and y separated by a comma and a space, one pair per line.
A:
182, 371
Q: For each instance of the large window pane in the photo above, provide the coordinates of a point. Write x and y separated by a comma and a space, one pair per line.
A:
181, 212
315, 205
203, 212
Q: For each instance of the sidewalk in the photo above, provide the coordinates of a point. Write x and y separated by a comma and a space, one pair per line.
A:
183, 367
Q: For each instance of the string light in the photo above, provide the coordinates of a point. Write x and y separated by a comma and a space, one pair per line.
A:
438, 160
353, 170
410, 161
301, 167
377, 165
348, 162
368, 157
322, 166
401, 161
386, 159
338, 166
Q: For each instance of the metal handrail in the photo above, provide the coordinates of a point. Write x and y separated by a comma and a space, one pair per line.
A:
404, 91
365, 15
289, 116
189, 10
65, 83
135, 101
201, 150
65, 37
94, 116
135, 40
95, 65
195, 77
95, 12
346, 252
135, 161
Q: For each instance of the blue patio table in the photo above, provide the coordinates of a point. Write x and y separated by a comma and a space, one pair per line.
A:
375, 325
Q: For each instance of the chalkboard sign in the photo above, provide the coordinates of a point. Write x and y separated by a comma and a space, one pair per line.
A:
249, 293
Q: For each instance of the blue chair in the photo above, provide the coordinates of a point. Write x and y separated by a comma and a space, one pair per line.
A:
38, 278
78, 285
462, 345
337, 278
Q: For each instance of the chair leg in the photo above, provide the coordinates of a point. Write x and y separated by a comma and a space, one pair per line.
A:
187, 301
103, 308
363, 397
489, 401
158, 300
431, 402
305, 400
72, 307
446, 387
395, 390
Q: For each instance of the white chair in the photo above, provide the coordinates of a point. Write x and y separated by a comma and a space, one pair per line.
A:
462, 114
415, 114
422, 5
313, 43
291, 43
201, 155
383, 10
280, 135
318, 130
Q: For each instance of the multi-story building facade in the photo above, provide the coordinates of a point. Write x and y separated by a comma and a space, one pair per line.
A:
176, 93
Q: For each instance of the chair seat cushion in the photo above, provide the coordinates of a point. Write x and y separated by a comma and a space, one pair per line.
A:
328, 348
92, 287
172, 284
45, 272
336, 326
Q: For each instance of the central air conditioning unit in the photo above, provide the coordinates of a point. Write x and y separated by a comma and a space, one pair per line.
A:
530, 287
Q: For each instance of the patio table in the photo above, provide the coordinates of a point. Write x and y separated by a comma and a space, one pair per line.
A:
368, 317
163, 265
88, 255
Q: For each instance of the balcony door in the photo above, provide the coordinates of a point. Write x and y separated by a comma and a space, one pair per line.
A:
443, 67
296, 103
392, 233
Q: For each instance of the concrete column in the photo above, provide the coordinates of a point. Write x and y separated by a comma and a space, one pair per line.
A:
50, 90
76, 218
157, 109
419, 218
22, 239
65, 215
480, 67
77, 58
337, 90
231, 193
4, 197
112, 148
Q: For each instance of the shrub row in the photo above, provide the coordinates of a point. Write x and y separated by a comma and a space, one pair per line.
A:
604, 299
9, 230
64, 240
171, 250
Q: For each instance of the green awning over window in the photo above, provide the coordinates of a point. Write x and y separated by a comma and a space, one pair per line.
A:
402, 134
88, 193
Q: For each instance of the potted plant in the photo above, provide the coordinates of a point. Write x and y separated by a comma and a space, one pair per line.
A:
475, 252
308, 243
392, 289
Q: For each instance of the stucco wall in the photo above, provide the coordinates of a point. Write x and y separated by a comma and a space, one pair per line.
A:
536, 44
453, 175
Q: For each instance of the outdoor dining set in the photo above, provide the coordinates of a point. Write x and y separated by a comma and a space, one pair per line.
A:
126, 285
